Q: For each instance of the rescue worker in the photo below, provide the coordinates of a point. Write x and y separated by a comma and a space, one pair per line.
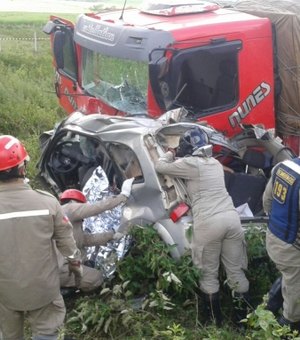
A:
282, 202
76, 207
217, 230
31, 221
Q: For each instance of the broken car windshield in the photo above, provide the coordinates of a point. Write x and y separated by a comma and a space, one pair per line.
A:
120, 83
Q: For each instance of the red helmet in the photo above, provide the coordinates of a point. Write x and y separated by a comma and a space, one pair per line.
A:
72, 194
12, 152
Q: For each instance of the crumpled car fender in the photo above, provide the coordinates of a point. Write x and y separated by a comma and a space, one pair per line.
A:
167, 238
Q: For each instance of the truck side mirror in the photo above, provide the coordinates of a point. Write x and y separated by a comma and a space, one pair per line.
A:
49, 27
158, 63
158, 74
58, 44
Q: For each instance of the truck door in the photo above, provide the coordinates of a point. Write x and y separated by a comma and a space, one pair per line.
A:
65, 61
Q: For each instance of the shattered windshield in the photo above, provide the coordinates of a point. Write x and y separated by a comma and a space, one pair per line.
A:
120, 83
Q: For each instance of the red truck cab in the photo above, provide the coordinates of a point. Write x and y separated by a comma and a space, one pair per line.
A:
215, 62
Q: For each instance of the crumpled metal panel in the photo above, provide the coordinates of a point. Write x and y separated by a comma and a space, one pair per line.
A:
104, 257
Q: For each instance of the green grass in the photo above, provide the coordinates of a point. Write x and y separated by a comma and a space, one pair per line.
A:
30, 19
28, 104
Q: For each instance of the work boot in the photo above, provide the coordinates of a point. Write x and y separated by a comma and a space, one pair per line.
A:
283, 321
275, 301
212, 308
294, 326
241, 303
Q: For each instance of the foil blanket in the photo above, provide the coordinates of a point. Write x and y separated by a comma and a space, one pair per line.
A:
104, 257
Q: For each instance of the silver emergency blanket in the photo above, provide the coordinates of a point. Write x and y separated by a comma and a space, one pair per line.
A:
105, 257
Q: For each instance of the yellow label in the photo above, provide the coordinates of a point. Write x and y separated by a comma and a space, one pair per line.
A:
280, 190
285, 176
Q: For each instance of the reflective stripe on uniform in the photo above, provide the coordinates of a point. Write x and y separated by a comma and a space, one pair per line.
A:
28, 213
292, 165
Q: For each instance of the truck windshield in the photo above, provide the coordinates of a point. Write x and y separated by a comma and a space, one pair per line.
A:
120, 83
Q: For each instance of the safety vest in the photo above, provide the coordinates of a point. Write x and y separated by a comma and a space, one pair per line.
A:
284, 217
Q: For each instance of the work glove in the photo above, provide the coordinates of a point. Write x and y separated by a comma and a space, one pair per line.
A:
168, 156
75, 268
126, 187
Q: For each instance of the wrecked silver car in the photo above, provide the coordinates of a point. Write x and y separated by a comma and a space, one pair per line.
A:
96, 153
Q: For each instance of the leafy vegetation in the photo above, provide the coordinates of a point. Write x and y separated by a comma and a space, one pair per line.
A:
151, 295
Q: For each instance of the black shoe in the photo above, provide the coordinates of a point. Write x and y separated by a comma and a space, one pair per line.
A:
294, 326
275, 301
283, 321
241, 305
212, 308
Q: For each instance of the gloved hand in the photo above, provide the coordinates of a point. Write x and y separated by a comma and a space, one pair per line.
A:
126, 187
75, 268
168, 156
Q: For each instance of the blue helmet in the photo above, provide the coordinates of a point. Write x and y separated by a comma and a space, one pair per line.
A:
191, 140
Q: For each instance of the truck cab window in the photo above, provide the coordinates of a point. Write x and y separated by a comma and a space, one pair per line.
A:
64, 51
204, 79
